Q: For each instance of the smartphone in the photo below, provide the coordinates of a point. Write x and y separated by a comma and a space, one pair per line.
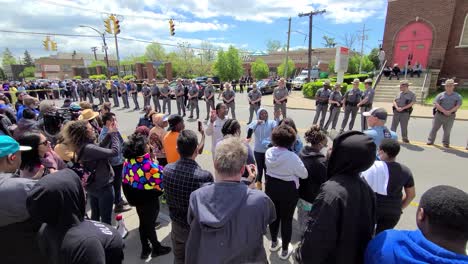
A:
200, 126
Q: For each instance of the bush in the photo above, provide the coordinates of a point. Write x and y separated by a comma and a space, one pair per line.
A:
129, 77
310, 89
98, 77
77, 77
114, 77
349, 78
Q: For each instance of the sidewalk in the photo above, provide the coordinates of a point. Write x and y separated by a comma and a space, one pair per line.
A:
297, 101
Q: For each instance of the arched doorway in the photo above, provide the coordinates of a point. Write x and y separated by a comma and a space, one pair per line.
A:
413, 41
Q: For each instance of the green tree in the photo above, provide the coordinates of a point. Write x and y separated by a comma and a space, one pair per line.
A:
329, 42
8, 58
331, 67
2, 74
97, 63
273, 45
228, 65
28, 72
155, 52
282, 66
260, 69
28, 60
374, 57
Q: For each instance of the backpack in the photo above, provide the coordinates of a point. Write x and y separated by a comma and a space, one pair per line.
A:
86, 175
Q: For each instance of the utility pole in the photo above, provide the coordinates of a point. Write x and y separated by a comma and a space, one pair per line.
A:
94, 49
309, 59
287, 50
363, 37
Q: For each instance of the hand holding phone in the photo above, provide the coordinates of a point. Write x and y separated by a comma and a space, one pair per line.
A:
200, 126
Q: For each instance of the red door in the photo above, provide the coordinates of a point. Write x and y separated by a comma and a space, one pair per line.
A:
414, 39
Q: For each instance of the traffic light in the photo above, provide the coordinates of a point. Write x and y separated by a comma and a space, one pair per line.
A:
45, 43
107, 25
53, 45
171, 27
116, 26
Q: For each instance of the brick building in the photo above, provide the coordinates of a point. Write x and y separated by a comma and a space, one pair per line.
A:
432, 32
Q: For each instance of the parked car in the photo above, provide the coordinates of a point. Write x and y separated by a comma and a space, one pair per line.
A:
298, 82
265, 86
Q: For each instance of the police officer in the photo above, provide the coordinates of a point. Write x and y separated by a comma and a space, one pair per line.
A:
446, 105
134, 93
321, 102
255, 98
366, 102
193, 99
81, 91
179, 92
165, 95
155, 94
280, 97
146, 92
124, 94
402, 108
350, 101
115, 93
98, 92
105, 88
89, 92
228, 96
335, 106
209, 97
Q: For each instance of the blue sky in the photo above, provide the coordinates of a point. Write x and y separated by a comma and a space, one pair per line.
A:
246, 24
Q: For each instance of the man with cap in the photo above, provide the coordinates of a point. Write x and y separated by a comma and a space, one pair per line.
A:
134, 93
446, 105
193, 99
124, 94
18, 232
321, 103
209, 97
146, 92
166, 97
255, 98
155, 94
176, 124
366, 102
350, 100
115, 93
335, 106
402, 108
228, 96
376, 119
280, 97
179, 93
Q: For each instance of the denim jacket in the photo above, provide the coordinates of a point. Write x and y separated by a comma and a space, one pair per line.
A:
119, 159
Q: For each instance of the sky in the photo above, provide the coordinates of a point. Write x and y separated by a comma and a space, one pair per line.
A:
245, 24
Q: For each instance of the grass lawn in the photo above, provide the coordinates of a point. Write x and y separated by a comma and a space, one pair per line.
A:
462, 92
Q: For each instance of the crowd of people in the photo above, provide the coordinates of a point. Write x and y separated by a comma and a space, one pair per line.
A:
349, 193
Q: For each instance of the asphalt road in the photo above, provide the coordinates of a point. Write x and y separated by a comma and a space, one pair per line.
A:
431, 166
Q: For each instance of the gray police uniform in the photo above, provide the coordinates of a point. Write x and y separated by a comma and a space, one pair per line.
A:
166, 100
278, 94
105, 92
98, 92
146, 91
81, 91
155, 94
253, 108
369, 93
402, 100
447, 102
134, 92
193, 91
89, 92
352, 98
334, 109
115, 94
228, 95
124, 95
180, 99
209, 90
321, 105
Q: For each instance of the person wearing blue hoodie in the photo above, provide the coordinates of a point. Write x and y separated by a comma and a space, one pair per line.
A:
442, 235
262, 129
227, 218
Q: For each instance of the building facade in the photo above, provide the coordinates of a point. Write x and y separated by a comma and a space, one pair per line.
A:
433, 33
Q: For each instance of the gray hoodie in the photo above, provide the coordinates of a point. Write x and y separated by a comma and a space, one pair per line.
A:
227, 223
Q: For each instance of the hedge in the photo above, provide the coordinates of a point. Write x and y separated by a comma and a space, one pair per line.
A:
98, 77
77, 77
309, 89
129, 77
114, 77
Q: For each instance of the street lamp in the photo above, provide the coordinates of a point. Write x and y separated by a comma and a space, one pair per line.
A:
101, 34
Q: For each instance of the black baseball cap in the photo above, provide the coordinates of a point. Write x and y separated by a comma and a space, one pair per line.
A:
173, 121
378, 112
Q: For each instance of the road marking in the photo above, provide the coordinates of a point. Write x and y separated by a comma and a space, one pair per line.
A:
415, 204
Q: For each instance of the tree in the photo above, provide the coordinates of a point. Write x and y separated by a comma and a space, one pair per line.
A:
97, 63
329, 42
28, 60
282, 66
8, 58
2, 74
228, 65
374, 57
207, 51
155, 52
273, 45
27, 72
349, 39
260, 69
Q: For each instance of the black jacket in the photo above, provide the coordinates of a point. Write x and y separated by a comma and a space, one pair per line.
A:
316, 165
342, 219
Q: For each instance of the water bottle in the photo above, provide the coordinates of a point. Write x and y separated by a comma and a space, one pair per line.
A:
121, 228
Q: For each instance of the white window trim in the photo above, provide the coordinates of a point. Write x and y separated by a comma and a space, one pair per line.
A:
462, 33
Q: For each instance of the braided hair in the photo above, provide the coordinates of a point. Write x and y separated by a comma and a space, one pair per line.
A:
231, 127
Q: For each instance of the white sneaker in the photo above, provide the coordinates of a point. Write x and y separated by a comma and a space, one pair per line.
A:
275, 245
285, 254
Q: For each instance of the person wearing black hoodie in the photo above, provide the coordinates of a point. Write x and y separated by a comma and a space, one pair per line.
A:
343, 219
58, 201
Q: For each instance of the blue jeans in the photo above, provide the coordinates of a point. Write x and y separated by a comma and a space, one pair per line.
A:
101, 204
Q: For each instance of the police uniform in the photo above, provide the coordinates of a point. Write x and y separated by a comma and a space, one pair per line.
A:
334, 109
180, 99
352, 98
146, 91
228, 95
124, 95
369, 94
253, 107
321, 105
403, 99
115, 94
98, 92
209, 91
166, 100
105, 91
193, 91
447, 102
134, 93
278, 94
81, 91
89, 92
155, 94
